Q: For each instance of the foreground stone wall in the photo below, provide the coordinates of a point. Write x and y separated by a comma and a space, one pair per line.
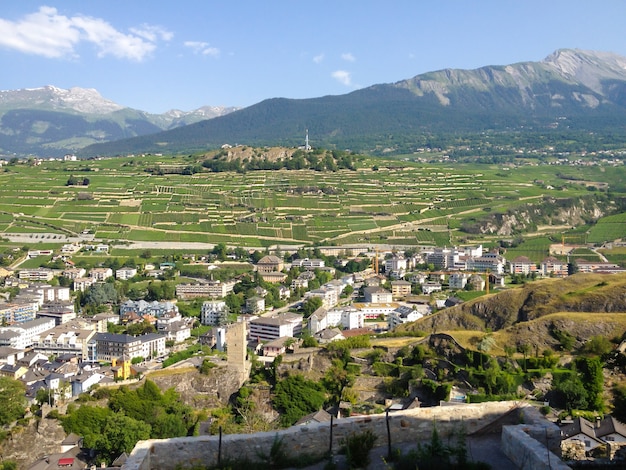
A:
528, 453
406, 426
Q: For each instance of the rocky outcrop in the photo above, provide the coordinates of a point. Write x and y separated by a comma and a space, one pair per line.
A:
199, 390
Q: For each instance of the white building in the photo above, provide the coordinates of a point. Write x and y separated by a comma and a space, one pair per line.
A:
346, 318
212, 312
270, 328
125, 273
406, 314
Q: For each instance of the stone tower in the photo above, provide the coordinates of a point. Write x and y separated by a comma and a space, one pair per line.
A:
236, 345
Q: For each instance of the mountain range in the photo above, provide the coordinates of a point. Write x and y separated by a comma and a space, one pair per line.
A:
51, 121
568, 91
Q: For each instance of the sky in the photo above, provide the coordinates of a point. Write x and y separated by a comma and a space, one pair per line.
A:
157, 55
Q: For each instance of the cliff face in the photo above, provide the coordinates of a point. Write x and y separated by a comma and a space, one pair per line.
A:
199, 390
549, 211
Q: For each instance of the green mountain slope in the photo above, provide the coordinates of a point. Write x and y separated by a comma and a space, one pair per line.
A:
567, 91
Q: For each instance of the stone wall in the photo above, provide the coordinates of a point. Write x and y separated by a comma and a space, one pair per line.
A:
406, 426
526, 452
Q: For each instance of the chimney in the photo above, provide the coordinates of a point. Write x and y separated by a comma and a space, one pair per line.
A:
598, 421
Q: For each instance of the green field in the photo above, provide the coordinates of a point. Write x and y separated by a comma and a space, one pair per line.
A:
427, 204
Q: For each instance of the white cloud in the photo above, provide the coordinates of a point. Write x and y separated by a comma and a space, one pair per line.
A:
318, 58
202, 48
50, 34
342, 77
348, 57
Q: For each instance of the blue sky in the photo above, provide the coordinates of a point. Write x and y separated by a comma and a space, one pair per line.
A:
157, 55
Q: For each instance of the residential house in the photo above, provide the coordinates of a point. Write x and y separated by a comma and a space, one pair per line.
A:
329, 335
213, 312
211, 288
125, 273
276, 347
594, 434
100, 274
457, 281
400, 288
308, 264
377, 295
37, 274
431, 286
255, 304
406, 314
552, 266
74, 273
522, 265
81, 284
327, 294
489, 262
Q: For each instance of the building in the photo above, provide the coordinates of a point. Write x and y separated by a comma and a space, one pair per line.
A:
431, 286
491, 262
70, 338
401, 288
110, 346
38, 274
585, 266
271, 328
269, 264
83, 283
212, 289
22, 336
142, 308
552, 266
457, 281
396, 263
100, 274
522, 265
371, 311
377, 295
18, 312
308, 264
328, 295
255, 304
346, 318
406, 314
74, 273
213, 312
61, 312
125, 273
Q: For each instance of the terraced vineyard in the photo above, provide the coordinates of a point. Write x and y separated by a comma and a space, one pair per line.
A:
407, 204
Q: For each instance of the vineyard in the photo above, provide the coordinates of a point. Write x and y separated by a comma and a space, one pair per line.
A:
417, 204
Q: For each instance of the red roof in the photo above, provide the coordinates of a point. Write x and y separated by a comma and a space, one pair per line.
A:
66, 462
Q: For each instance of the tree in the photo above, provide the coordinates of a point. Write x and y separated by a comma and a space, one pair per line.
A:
120, 434
295, 397
12, 399
311, 305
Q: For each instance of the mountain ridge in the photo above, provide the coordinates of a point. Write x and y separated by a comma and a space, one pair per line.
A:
49, 121
570, 90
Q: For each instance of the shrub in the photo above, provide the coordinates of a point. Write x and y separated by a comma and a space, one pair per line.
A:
358, 447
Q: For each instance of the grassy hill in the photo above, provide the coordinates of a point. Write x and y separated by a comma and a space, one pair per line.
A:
583, 305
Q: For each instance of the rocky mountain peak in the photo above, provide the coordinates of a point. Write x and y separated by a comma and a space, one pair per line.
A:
589, 68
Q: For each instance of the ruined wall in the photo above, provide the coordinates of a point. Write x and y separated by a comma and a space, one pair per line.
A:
407, 426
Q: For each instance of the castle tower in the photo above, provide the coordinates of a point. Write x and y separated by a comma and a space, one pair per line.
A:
236, 346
